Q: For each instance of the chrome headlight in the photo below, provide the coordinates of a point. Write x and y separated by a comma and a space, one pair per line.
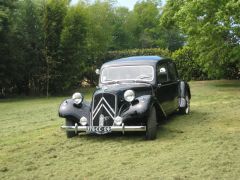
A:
118, 120
83, 121
77, 98
129, 95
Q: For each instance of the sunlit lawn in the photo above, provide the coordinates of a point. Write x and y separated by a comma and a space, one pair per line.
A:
203, 145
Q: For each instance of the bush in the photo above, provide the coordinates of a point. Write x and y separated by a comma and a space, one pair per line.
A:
188, 68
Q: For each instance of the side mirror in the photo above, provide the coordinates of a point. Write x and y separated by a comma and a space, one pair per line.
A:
97, 71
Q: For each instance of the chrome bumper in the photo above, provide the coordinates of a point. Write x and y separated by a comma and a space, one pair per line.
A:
122, 128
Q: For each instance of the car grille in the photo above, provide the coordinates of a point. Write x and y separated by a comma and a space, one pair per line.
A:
103, 109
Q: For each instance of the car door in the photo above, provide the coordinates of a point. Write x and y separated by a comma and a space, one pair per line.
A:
173, 83
163, 91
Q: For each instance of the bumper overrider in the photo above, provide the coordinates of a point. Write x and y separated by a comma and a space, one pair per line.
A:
103, 129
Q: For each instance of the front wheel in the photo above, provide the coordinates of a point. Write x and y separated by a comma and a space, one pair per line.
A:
70, 122
151, 131
186, 109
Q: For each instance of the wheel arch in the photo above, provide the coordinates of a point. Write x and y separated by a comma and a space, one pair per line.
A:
68, 110
160, 114
184, 89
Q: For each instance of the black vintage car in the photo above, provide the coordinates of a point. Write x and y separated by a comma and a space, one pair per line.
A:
134, 94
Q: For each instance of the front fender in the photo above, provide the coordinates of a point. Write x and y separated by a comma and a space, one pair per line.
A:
140, 108
68, 110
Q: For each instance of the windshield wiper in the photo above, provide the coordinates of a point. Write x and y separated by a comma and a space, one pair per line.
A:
143, 76
111, 81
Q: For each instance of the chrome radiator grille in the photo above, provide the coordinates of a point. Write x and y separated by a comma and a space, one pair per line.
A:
103, 109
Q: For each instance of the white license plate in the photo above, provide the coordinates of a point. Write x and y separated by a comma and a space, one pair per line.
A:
99, 129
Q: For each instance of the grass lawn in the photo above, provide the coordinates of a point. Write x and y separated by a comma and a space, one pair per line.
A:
202, 145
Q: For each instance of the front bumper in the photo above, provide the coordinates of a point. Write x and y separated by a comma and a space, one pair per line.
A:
122, 128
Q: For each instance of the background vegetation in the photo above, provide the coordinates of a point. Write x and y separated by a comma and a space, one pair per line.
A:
202, 145
50, 46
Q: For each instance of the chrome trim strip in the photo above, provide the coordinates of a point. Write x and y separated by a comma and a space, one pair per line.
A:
103, 99
96, 112
105, 109
169, 83
93, 110
108, 105
108, 112
113, 128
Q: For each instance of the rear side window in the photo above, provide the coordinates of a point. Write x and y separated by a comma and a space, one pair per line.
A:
162, 73
172, 71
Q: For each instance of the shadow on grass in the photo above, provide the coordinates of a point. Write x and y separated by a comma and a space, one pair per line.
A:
164, 131
114, 136
228, 84
176, 123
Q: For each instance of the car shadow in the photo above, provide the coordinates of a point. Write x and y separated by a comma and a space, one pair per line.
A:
176, 123
163, 131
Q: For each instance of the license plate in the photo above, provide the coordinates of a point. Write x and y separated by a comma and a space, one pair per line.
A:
99, 129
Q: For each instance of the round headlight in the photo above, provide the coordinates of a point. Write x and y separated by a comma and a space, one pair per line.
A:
129, 95
83, 121
118, 120
77, 98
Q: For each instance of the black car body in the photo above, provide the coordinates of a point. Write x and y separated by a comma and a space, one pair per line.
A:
134, 94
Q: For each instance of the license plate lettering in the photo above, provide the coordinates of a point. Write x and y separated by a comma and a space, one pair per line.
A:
99, 129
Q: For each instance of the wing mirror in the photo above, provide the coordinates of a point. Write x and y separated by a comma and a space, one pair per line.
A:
97, 71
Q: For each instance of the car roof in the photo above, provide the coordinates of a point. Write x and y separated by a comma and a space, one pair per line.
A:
135, 60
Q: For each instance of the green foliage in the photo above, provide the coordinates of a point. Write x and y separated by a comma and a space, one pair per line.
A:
188, 68
6, 58
73, 47
123, 29
111, 55
212, 30
54, 12
147, 15
28, 44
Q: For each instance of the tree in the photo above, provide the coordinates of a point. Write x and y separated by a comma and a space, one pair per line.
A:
99, 34
7, 65
147, 14
212, 30
73, 47
171, 36
121, 33
54, 12
28, 46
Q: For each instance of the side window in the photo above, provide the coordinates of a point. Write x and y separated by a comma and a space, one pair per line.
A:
162, 73
172, 71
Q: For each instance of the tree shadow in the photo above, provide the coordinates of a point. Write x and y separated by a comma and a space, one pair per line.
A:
229, 84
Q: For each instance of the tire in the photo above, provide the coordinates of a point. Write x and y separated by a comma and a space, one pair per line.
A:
151, 130
70, 122
186, 109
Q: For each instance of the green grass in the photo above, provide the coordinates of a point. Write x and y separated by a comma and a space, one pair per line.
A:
203, 145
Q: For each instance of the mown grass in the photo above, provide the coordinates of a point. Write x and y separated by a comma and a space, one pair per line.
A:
203, 145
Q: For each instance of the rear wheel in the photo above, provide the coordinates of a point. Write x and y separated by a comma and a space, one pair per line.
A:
186, 109
70, 122
151, 131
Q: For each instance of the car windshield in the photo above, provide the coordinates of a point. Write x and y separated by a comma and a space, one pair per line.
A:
123, 73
